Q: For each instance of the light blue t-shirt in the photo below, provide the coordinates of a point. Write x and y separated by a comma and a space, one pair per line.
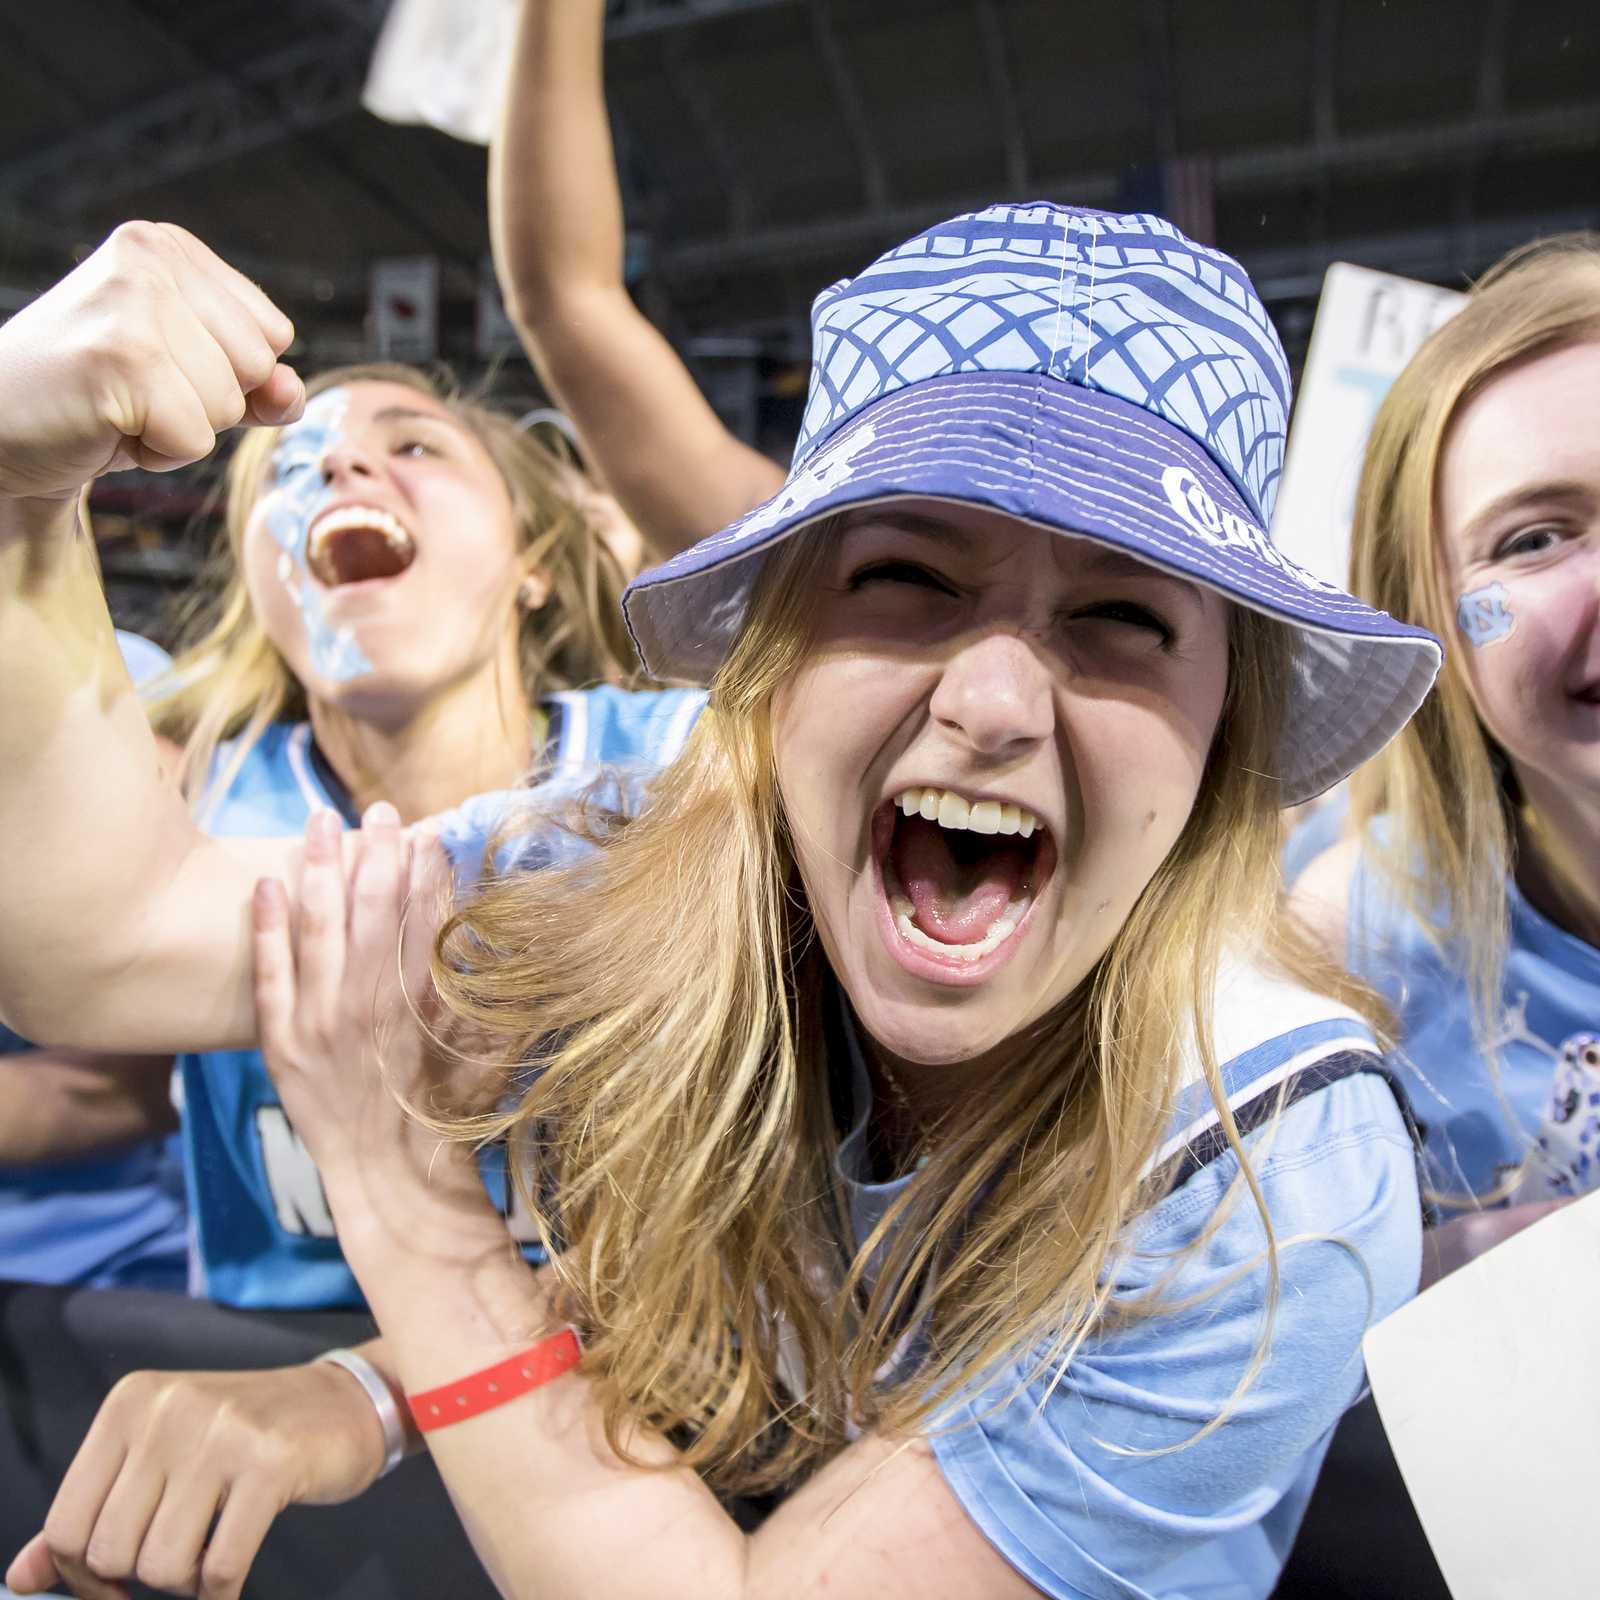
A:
1477, 1125
103, 1221
264, 1235
1055, 1477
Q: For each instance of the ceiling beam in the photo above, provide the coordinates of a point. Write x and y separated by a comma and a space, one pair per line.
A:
852, 106
631, 18
1324, 73
688, 84
220, 116
1260, 167
205, 122
1161, 82
1003, 89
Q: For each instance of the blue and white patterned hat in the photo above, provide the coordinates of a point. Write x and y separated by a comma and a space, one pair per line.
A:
1097, 374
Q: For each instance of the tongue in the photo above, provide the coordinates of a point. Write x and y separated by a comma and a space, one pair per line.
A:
353, 554
958, 883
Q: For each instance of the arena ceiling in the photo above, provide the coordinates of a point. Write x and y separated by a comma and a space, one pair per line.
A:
770, 146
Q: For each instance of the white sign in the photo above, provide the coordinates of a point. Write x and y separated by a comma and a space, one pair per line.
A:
443, 63
1489, 1390
404, 322
1369, 325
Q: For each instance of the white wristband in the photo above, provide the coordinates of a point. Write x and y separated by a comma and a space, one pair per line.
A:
383, 1402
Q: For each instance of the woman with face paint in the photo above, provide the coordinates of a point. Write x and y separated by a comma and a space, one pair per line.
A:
414, 604
1466, 891
935, 1123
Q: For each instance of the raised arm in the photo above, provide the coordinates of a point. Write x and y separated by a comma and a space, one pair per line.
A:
556, 220
121, 927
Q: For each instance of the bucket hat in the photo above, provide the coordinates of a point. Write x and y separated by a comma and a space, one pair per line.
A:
1099, 375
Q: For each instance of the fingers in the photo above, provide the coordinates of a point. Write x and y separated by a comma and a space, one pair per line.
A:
321, 946
223, 337
70, 1526
273, 950
279, 400
247, 1514
113, 1547
33, 1568
377, 895
275, 326
428, 897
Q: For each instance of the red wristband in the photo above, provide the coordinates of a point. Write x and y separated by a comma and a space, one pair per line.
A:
494, 1386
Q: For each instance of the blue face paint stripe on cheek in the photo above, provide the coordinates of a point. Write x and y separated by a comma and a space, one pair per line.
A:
300, 495
1484, 615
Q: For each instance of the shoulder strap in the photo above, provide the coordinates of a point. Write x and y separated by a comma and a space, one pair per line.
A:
1278, 1042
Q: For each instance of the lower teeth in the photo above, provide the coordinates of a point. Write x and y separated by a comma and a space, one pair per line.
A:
1000, 930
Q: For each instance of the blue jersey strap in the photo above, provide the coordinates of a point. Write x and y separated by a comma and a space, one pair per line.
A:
1277, 1042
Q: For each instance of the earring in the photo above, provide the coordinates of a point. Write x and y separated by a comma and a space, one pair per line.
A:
532, 594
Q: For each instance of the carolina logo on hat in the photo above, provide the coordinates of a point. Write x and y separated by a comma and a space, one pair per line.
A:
1221, 528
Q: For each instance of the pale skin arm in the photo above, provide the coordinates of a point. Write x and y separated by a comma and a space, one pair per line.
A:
122, 927
56, 1105
555, 217
551, 1510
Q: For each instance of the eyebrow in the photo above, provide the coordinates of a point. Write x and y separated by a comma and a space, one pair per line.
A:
411, 414
1530, 494
1100, 559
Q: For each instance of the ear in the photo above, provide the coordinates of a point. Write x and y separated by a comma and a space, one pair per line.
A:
533, 593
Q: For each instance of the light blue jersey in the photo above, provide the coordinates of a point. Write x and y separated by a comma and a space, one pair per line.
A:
105, 1221
264, 1235
1060, 1477
1477, 1130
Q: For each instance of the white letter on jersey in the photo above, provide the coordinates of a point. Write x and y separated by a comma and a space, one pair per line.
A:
292, 1176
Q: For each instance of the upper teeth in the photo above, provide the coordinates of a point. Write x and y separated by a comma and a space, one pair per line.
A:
951, 810
342, 517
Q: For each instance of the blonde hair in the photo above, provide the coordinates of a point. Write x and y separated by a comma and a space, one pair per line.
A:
1442, 782
662, 1012
229, 680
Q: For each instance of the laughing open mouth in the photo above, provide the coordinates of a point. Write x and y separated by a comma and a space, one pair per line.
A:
352, 544
960, 875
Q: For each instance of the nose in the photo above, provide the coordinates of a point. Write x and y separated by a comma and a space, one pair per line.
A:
997, 694
344, 458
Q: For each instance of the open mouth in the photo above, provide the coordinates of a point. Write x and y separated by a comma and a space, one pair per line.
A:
959, 876
354, 544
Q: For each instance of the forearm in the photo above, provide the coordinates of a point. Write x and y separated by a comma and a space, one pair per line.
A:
57, 1105
550, 1508
556, 220
555, 211
96, 847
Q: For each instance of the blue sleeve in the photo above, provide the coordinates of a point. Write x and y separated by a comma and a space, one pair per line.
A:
142, 657
527, 826
1061, 1481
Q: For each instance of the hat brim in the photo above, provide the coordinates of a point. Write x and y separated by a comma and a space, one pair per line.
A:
1079, 462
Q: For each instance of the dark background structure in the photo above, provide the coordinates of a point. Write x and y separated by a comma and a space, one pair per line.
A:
770, 146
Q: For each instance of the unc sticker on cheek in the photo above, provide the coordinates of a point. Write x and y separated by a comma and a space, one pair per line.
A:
1484, 615
299, 494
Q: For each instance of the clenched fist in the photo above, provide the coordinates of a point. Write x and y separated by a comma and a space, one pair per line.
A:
137, 358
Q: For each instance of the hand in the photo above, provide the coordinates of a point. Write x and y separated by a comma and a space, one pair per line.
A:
344, 1002
139, 357
1453, 1244
182, 1473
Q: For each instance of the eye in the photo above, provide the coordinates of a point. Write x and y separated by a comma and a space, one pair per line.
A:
1529, 542
287, 466
1129, 613
415, 448
907, 572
